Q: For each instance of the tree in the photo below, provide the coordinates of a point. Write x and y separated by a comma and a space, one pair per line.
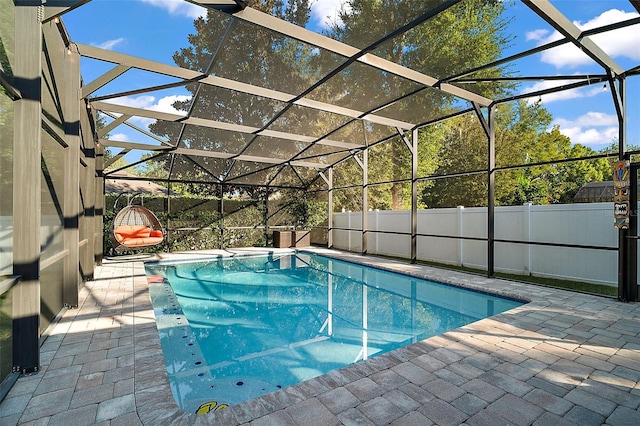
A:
6, 153
462, 37
573, 176
522, 137
266, 57
151, 168
254, 56
383, 195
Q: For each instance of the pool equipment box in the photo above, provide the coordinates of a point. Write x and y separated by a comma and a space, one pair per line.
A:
286, 239
282, 239
301, 238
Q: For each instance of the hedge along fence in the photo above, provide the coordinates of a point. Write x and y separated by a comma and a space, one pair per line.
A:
199, 224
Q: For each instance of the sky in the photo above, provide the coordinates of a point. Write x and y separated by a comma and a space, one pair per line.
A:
586, 115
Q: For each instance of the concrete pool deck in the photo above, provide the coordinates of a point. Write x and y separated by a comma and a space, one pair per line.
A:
562, 359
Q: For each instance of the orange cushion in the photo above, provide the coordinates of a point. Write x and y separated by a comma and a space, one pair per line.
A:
154, 279
126, 232
156, 234
149, 241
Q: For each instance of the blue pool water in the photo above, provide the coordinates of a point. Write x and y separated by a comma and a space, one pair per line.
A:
236, 328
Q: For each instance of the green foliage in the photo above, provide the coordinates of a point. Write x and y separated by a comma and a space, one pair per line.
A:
197, 223
347, 199
7, 38
457, 39
120, 163
151, 168
521, 138
6, 154
462, 37
612, 150
306, 214
6, 334
295, 209
7, 47
255, 56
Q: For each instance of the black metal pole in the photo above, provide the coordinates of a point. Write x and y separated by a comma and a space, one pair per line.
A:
414, 196
221, 218
491, 196
632, 243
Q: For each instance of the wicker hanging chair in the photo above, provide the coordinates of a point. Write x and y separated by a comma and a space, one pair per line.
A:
136, 227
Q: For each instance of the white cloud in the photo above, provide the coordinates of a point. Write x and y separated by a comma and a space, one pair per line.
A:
109, 44
590, 136
178, 7
592, 118
164, 104
592, 128
121, 137
580, 92
617, 43
536, 35
324, 12
138, 102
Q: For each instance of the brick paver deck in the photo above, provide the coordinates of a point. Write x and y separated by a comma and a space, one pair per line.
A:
562, 359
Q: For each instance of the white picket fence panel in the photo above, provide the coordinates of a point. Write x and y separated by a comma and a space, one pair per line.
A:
589, 224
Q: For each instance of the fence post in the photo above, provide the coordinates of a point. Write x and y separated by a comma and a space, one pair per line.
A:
526, 223
376, 226
349, 228
460, 211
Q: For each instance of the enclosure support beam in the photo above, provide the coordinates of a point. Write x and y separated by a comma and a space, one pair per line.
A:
491, 193
623, 264
627, 247
26, 195
221, 218
100, 82
632, 243
100, 203
489, 130
265, 216
291, 30
91, 224
54, 8
169, 244
330, 208
365, 199
414, 196
573, 33
71, 206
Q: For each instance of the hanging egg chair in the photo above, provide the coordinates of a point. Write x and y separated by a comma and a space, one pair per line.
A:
136, 227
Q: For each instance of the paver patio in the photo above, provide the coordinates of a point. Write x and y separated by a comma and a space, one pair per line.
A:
564, 358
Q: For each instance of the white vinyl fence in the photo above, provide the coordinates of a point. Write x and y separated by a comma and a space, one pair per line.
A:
585, 224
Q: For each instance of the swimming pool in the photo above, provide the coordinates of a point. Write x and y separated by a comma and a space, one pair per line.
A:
235, 328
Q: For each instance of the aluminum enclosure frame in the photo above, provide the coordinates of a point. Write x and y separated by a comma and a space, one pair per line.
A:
612, 74
82, 240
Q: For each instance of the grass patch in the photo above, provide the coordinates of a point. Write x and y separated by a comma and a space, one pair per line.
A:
582, 287
600, 290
